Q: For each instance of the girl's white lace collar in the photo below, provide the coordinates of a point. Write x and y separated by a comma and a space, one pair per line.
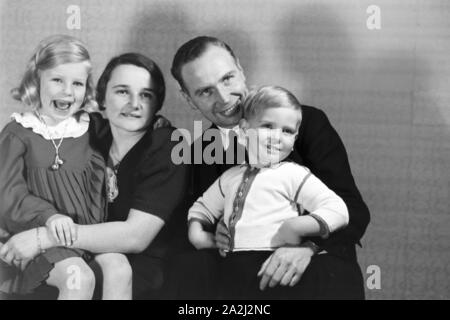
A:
69, 128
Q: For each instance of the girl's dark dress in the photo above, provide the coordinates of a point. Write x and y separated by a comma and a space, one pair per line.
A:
31, 192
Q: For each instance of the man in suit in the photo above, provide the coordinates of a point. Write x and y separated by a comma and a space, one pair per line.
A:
213, 82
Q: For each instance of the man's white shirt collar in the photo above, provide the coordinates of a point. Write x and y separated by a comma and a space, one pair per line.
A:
225, 135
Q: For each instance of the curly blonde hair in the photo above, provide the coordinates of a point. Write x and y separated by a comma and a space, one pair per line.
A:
51, 52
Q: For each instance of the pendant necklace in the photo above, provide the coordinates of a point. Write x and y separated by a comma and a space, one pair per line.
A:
112, 172
58, 162
114, 158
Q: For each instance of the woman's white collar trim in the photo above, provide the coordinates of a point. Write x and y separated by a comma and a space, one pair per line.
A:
69, 128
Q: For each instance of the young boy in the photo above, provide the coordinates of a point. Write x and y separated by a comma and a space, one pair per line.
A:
264, 201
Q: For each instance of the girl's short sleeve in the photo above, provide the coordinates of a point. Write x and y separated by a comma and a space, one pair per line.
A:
19, 209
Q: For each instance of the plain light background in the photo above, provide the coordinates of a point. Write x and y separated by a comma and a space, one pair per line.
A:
386, 92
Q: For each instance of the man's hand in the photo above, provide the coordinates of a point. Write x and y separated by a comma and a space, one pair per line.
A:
222, 238
285, 267
161, 122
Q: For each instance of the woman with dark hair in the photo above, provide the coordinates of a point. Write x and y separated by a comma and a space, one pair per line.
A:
144, 186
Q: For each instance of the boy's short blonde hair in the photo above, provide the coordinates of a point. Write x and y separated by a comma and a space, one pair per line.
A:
51, 52
267, 97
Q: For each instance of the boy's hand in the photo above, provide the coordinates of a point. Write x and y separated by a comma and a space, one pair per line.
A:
199, 238
288, 233
205, 240
63, 229
222, 238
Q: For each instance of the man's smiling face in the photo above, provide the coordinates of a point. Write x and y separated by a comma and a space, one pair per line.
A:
215, 85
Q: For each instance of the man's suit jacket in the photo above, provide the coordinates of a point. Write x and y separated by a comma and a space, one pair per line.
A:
319, 148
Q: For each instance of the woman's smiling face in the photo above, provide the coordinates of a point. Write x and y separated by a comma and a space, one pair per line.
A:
62, 91
130, 99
